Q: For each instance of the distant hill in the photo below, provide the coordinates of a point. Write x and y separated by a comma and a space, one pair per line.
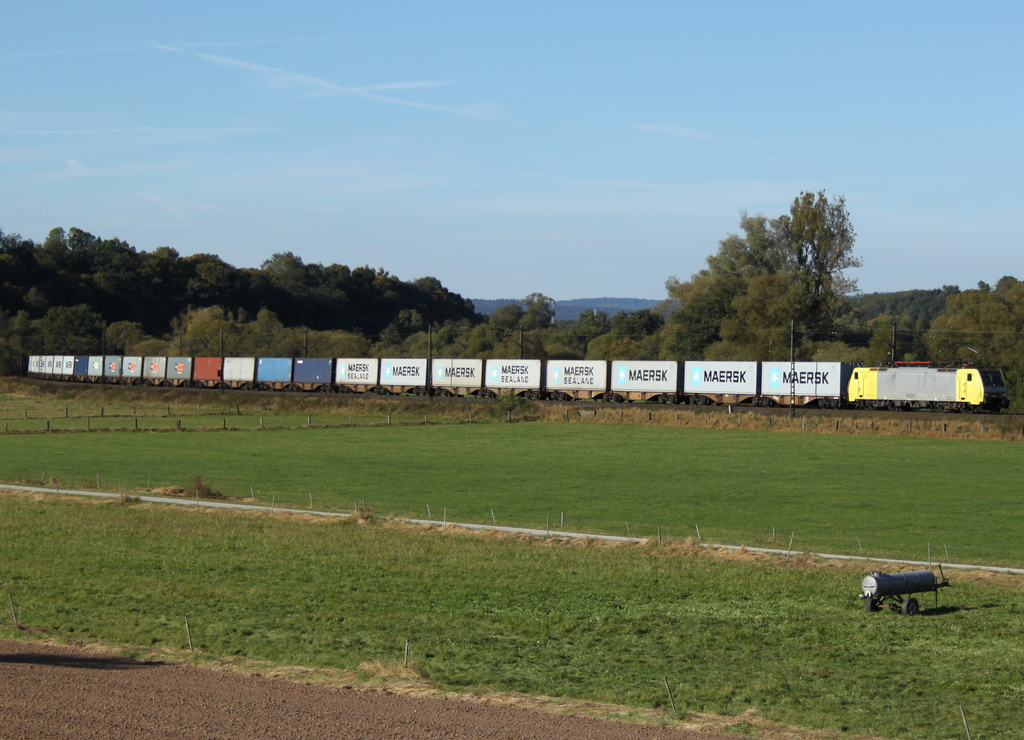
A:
571, 309
917, 304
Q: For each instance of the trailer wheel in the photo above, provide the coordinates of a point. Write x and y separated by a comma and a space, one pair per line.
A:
910, 606
871, 604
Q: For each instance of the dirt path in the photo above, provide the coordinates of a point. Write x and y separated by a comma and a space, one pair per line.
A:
60, 692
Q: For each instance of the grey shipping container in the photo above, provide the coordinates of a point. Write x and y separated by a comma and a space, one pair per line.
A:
179, 368
131, 367
154, 368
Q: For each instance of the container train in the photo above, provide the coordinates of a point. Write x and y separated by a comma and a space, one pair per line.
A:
898, 386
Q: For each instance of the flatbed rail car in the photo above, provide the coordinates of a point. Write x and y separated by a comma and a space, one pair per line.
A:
804, 384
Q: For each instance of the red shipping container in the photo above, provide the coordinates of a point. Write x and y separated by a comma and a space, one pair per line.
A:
208, 368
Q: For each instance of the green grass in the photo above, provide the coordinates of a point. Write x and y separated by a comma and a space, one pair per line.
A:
483, 614
896, 494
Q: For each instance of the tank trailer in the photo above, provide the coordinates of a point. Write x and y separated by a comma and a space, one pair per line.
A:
895, 589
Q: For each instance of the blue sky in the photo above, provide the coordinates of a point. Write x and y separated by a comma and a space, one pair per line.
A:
575, 149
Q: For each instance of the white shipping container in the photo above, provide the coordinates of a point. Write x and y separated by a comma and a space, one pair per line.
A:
812, 378
453, 373
356, 371
643, 376
403, 372
239, 369
518, 374
575, 375
95, 366
49, 364
713, 377
62, 366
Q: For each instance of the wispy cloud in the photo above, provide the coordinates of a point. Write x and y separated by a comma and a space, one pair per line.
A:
281, 79
678, 131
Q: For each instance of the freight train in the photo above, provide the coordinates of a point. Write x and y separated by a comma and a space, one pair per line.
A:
897, 386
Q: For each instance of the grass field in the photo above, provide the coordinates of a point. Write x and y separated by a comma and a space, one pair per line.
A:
885, 496
789, 639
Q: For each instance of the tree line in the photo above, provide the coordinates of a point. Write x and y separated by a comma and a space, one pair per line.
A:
777, 286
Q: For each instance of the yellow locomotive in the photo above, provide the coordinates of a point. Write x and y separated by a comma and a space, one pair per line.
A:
923, 385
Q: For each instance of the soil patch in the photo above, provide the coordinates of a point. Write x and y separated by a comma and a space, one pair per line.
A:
51, 691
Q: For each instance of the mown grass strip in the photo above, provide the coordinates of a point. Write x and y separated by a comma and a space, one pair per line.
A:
480, 613
885, 497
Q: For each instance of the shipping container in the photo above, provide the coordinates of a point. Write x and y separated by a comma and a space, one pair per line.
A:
273, 373
400, 375
720, 382
81, 367
240, 372
207, 371
154, 369
356, 374
112, 366
454, 377
179, 370
131, 367
96, 366
312, 373
575, 379
65, 365
522, 377
822, 384
644, 380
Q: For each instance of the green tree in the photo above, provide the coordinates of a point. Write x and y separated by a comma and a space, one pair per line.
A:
15, 333
985, 328
782, 270
122, 336
71, 330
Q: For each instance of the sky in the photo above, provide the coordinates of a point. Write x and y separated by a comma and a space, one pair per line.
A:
577, 149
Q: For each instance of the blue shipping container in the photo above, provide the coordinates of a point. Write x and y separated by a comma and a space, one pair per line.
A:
312, 370
274, 370
81, 366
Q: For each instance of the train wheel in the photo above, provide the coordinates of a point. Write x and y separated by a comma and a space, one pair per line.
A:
910, 606
871, 604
